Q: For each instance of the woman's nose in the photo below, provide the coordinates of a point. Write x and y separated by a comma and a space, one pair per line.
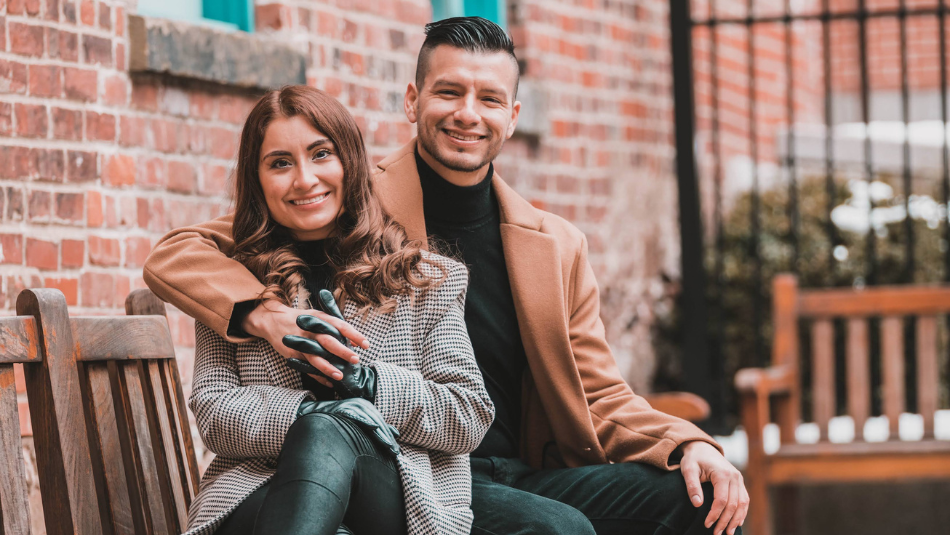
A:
306, 177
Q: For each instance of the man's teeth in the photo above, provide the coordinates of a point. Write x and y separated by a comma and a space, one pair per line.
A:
465, 138
312, 200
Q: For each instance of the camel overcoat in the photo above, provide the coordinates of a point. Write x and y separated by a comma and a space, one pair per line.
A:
576, 408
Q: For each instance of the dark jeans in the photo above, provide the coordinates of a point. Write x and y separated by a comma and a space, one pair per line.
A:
329, 472
511, 498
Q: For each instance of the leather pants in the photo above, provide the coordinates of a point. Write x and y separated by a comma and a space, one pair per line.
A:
329, 473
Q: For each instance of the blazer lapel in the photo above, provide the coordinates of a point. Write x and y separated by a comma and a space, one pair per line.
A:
537, 286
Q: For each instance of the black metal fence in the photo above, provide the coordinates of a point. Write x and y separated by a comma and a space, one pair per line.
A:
732, 243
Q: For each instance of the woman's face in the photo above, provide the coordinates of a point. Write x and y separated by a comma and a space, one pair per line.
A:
302, 178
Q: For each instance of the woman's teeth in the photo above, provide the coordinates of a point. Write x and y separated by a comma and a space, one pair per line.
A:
311, 200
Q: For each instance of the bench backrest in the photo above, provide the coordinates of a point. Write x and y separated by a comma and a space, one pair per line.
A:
113, 433
18, 344
856, 308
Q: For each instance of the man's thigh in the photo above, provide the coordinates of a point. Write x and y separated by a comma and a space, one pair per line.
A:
502, 510
627, 498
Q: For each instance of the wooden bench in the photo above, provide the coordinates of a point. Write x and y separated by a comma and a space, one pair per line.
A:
777, 391
114, 450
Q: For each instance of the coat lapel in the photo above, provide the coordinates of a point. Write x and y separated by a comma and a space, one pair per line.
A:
537, 285
398, 187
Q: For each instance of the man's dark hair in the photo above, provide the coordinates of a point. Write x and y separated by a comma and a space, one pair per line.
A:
473, 34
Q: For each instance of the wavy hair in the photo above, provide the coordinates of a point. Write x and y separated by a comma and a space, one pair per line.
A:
370, 253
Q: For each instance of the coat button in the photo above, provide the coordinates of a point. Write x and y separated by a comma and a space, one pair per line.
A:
586, 449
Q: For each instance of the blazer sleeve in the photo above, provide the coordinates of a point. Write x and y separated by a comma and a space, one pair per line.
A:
191, 268
629, 430
444, 405
234, 420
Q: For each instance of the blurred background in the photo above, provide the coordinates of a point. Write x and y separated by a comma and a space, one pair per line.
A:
702, 146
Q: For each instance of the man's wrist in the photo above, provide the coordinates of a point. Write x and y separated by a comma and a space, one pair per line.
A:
253, 322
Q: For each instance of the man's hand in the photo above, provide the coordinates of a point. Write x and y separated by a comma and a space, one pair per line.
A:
272, 320
702, 462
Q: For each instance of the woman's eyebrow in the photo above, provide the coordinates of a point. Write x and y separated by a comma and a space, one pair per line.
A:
310, 147
317, 143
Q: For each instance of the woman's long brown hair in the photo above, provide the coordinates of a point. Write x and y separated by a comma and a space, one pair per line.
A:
370, 253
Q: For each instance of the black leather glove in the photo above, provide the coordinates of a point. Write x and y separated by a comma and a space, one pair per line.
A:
358, 381
361, 412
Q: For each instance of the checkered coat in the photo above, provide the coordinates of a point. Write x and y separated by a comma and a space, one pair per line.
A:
428, 386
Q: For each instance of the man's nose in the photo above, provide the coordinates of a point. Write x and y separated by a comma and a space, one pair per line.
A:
467, 114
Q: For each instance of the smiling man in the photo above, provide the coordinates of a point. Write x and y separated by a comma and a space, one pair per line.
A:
572, 449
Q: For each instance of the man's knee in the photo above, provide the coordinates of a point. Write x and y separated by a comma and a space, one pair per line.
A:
557, 519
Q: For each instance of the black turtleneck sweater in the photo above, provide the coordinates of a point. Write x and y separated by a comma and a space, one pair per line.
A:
466, 222
319, 277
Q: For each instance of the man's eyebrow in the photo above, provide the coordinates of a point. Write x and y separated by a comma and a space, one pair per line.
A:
310, 147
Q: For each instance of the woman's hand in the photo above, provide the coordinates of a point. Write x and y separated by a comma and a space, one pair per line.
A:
272, 320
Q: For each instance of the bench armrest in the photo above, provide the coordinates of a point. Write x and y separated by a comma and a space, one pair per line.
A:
769, 381
685, 405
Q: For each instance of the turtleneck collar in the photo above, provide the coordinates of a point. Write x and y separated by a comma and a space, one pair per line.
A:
445, 202
312, 252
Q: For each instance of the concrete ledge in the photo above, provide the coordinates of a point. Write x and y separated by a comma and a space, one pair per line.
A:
232, 58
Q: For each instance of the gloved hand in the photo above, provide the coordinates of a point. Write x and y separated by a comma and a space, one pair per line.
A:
358, 381
361, 412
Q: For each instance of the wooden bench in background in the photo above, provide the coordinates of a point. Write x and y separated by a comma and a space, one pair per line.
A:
114, 450
780, 384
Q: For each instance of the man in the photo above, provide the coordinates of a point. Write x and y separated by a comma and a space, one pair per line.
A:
572, 449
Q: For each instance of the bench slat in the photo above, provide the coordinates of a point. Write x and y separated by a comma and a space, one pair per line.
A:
134, 396
110, 448
928, 373
823, 374
14, 502
892, 354
18, 339
122, 337
167, 442
877, 301
859, 375
178, 415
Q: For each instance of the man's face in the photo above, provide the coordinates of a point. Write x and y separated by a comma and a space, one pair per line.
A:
466, 107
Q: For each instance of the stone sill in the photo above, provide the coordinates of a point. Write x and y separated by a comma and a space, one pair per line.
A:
209, 54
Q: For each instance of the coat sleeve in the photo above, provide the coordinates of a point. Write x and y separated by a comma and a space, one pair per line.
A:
234, 420
628, 429
444, 405
190, 268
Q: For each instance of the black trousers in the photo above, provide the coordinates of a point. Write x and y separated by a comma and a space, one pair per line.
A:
329, 472
511, 498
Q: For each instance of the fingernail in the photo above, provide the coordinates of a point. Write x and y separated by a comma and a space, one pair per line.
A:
365, 344
337, 376
697, 500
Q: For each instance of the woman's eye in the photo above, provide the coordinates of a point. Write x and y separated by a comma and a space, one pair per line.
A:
280, 164
321, 154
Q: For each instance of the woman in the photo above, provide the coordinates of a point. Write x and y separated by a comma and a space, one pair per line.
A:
294, 456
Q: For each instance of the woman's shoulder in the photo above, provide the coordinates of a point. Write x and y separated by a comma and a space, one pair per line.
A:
435, 266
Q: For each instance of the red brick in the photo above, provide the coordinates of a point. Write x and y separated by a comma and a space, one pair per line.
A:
81, 84
26, 39
132, 131
87, 12
121, 59
214, 180
97, 50
128, 211
63, 45
97, 289
41, 254
39, 206
104, 251
234, 109
181, 177
202, 106
197, 139
74, 253
13, 77
69, 11
136, 250
47, 165
100, 127
119, 170
105, 16
81, 166
272, 17
109, 210
94, 214
32, 120
154, 175
224, 143
122, 285
16, 7
120, 21
141, 212
45, 81
67, 124
69, 207
144, 97
52, 10
11, 248
14, 208
6, 119
14, 162
69, 287
164, 135
115, 92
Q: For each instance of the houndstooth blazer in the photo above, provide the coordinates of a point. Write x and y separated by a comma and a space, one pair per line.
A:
428, 386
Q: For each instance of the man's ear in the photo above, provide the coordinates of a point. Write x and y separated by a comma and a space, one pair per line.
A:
515, 110
411, 101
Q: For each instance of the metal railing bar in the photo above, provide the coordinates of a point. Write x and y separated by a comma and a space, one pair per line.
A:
822, 15
829, 144
790, 142
942, 23
755, 226
908, 275
870, 245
